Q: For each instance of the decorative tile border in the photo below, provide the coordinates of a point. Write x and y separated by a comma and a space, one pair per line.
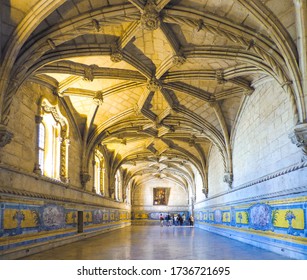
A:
23, 224
286, 217
149, 215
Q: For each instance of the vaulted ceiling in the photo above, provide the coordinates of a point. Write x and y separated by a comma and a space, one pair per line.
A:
156, 83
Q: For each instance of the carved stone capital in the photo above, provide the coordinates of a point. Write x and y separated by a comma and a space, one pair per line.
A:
84, 177
5, 136
228, 178
116, 54
299, 138
150, 18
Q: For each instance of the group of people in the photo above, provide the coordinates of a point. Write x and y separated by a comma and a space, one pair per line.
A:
176, 220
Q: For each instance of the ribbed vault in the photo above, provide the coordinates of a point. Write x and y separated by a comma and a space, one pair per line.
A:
154, 84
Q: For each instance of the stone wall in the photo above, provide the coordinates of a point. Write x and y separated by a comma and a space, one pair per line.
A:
21, 152
270, 181
216, 172
37, 212
145, 212
143, 195
32, 224
261, 144
276, 224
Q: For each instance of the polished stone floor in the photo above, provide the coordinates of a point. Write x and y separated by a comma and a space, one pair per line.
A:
157, 243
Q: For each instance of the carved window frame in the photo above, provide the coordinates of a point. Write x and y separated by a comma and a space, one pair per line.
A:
59, 133
99, 172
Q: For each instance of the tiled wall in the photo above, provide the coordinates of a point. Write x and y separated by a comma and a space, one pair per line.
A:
278, 224
24, 224
143, 217
155, 215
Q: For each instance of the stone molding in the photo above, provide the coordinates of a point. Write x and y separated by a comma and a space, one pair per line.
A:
268, 177
47, 107
23, 193
66, 186
252, 199
275, 174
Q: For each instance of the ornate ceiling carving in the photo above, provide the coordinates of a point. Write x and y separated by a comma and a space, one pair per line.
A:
155, 78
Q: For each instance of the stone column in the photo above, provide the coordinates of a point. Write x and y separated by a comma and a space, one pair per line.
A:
305, 218
193, 200
112, 187
64, 160
37, 168
94, 177
102, 177
301, 31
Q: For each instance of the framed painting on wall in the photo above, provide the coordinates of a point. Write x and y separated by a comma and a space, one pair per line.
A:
161, 196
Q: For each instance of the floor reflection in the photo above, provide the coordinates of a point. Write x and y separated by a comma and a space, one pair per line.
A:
155, 242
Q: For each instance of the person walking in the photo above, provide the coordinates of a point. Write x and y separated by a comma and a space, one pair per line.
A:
180, 220
161, 220
183, 218
175, 220
191, 220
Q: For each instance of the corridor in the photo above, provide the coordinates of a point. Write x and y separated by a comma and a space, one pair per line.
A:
157, 243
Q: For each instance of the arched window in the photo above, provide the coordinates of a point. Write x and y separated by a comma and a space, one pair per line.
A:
52, 142
53, 149
118, 186
99, 173
102, 176
41, 145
